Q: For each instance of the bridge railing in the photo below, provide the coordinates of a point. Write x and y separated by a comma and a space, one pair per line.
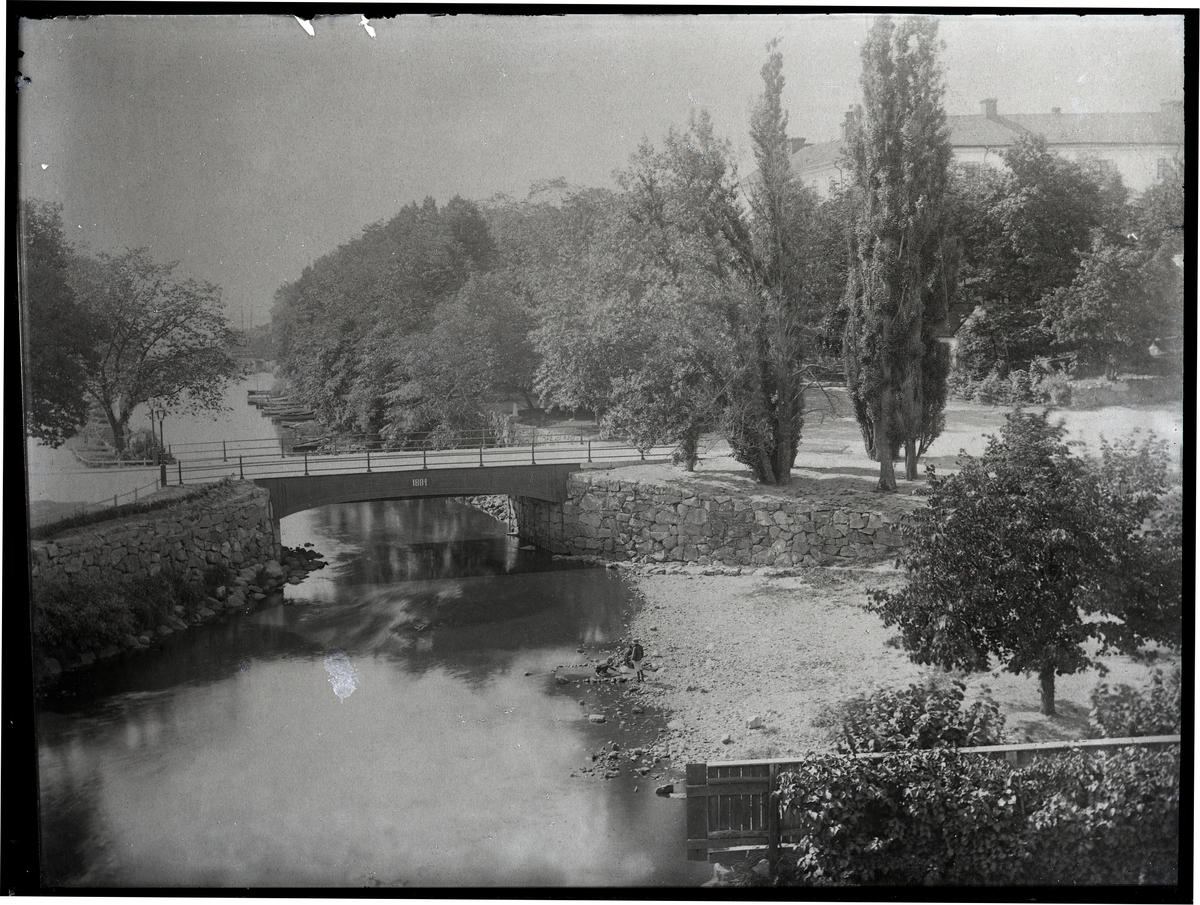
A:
488, 438
213, 464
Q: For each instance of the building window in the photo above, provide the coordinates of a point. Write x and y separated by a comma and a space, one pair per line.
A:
972, 173
1098, 168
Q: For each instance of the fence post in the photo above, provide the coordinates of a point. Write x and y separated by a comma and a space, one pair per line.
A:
424, 456
135, 490
589, 450
162, 473
224, 452
481, 452
281, 452
773, 815
241, 469
368, 460
697, 812
114, 501
306, 463
179, 462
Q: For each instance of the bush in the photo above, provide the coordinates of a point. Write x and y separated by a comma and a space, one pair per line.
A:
944, 817
919, 717
73, 616
1122, 711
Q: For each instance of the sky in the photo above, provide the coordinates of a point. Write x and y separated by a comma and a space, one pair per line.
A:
245, 148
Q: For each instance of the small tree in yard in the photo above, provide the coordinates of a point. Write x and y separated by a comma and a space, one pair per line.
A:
1030, 551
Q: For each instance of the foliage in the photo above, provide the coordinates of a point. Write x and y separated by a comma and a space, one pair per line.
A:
1028, 552
1041, 383
1025, 232
74, 616
902, 272
354, 331
1122, 299
771, 314
948, 818
928, 715
158, 336
57, 337
1121, 711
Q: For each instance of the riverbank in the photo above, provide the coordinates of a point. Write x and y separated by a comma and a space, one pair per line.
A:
782, 649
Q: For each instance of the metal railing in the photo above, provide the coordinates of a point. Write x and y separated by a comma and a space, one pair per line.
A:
250, 459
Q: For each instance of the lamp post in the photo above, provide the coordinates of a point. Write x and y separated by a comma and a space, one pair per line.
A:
161, 414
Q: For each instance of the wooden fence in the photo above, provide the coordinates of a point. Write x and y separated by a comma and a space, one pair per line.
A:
730, 812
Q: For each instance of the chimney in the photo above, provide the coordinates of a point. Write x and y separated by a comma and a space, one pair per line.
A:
1057, 111
795, 144
987, 108
849, 123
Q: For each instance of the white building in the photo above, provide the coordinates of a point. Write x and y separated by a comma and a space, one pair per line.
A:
1139, 146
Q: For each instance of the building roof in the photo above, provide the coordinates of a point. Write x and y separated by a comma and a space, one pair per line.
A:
1067, 128
980, 130
818, 155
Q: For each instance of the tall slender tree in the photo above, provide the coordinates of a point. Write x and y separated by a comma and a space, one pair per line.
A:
766, 410
901, 271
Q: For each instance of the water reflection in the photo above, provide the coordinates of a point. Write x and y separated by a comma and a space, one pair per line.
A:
230, 758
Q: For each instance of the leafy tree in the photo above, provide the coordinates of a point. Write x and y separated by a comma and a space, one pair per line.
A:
1029, 552
345, 327
902, 272
676, 393
58, 339
157, 335
1120, 300
1034, 225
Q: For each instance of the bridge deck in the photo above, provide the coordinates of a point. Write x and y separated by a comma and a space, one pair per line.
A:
296, 493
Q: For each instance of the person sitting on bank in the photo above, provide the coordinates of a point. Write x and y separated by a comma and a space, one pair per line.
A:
608, 667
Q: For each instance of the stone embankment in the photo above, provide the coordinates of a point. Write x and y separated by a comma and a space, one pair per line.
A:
232, 526
644, 522
249, 586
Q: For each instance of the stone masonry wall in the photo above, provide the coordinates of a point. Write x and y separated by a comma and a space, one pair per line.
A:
625, 520
231, 525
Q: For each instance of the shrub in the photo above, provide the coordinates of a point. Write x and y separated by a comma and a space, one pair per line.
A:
944, 817
73, 617
921, 716
1121, 710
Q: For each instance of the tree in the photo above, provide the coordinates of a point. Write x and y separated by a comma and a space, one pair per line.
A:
772, 314
157, 336
902, 274
1030, 552
57, 337
1121, 300
1030, 230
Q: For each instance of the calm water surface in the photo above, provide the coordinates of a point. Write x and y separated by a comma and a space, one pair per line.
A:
379, 730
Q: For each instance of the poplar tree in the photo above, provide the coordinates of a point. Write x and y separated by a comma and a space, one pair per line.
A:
766, 411
901, 268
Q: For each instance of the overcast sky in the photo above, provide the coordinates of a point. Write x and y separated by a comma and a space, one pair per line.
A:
247, 149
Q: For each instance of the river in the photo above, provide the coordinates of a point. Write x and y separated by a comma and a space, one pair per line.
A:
396, 723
